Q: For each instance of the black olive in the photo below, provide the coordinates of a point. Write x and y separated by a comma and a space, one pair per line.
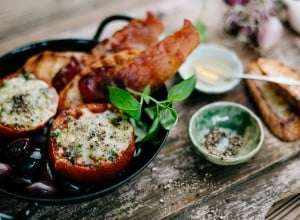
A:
20, 181
71, 188
5, 170
39, 141
31, 161
15, 149
47, 171
47, 126
42, 189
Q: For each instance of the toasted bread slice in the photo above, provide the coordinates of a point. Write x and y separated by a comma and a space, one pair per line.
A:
275, 68
46, 64
70, 96
276, 111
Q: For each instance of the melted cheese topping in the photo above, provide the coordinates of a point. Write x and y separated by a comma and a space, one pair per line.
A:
25, 102
93, 138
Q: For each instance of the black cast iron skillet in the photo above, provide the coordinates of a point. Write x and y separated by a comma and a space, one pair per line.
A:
144, 154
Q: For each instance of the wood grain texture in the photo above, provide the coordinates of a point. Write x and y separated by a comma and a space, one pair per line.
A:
286, 208
178, 184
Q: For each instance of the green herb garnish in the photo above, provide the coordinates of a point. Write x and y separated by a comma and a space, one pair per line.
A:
161, 113
201, 28
73, 152
54, 134
112, 155
27, 76
4, 83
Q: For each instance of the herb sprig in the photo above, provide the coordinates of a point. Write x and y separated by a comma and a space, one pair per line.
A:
161, 113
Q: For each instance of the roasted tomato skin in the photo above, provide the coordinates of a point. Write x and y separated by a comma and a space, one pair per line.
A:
86, 174
14, 131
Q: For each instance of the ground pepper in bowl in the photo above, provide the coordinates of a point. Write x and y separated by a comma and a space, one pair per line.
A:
226, 133
222, 143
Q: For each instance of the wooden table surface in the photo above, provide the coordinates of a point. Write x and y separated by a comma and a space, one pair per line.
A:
177, 184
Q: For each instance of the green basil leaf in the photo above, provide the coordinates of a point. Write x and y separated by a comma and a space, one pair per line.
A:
140, 130
152, 130
182, 90
168, 118
125, 102
201, 28
146, 94
151, 112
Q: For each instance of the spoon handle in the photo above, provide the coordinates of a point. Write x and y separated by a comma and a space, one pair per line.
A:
273, 79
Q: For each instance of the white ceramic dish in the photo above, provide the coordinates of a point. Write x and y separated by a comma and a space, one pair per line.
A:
213, 52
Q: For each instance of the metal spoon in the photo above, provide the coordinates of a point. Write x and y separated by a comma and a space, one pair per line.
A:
216, 77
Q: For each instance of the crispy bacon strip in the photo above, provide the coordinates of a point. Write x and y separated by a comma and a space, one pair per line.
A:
136, 35
158, 64
59, 68
70, 95
152, 67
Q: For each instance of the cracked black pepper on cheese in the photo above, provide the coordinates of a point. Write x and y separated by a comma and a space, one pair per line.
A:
93, 137
26, 102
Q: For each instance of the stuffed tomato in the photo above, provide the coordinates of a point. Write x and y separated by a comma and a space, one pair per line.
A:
26, 104
91, 143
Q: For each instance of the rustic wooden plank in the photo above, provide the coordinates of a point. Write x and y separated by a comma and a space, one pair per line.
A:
18, 18
178, 182
250, 199
287, 208
54, 19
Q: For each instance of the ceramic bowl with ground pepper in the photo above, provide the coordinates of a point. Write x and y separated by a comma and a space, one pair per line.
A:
226, 133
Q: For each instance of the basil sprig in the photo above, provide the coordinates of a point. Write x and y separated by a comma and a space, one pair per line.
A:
161, 113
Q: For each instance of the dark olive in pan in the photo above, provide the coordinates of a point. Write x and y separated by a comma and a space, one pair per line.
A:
71, 188
31, 161
20, 181
47, 171
16, 148
42, 189
5, 170
39, 141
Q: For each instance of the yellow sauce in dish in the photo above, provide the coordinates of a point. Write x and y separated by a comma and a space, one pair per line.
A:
212, 71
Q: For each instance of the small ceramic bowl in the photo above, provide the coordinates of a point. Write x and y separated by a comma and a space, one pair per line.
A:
233, 119
214, 66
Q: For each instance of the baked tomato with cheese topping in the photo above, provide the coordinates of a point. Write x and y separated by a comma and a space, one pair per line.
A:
26, 104
90, 143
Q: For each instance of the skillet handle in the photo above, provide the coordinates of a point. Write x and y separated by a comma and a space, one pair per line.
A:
26, 213
107, 21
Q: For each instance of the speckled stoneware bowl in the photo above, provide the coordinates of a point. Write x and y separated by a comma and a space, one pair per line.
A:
231, 117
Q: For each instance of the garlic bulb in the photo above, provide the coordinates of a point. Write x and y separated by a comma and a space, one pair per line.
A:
269, 32
293, 14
